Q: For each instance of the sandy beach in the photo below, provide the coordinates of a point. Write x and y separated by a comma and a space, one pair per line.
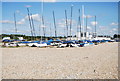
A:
91, 62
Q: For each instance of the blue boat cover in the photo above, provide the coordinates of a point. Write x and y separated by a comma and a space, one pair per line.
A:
35, 41
6, 40
68, 42
58, 40
25, 42
51, 40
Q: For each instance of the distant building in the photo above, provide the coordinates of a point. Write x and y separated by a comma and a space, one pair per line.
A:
85, 35
20, 38
88, 36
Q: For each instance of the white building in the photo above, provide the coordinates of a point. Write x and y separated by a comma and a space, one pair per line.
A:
87, 36
20, 38
90, 36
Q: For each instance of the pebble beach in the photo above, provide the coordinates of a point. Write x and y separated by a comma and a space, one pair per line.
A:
90, 62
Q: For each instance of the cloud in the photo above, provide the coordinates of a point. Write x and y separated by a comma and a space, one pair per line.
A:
28, 6
94, 23
24, 31
89, 28
22, 21
114, 29
114, 24
102, 27
88, 16
43, 26
17, 11
7, 22
62, 23
35, 17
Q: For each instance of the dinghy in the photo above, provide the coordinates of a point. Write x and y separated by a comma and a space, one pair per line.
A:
68, 44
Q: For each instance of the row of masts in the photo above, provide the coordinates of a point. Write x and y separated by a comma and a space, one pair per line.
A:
31, 23
80, 24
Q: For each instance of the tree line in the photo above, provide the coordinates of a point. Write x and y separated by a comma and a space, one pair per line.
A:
15, 36
28, 38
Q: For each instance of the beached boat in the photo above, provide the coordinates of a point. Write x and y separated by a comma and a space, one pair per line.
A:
37, 44
11, 44
22, 44
42, 45
96, 42
56, 42
68, 44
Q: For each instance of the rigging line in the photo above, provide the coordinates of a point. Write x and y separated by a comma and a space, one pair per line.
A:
71, 21
30, 22
66, 21
15, 23
33, 25
43, 26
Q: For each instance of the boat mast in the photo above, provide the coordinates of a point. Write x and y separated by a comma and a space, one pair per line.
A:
95, 27
86, 26
43, 26
33, 26
42, 5
77, 28
77, 31
15, 23
71, 21
83, 20
30, 22
40, 31
64, 31
50, 30
80, 23
54, 24
66, 22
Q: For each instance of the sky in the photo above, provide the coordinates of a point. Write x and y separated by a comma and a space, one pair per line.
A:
106, 13
60, 0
